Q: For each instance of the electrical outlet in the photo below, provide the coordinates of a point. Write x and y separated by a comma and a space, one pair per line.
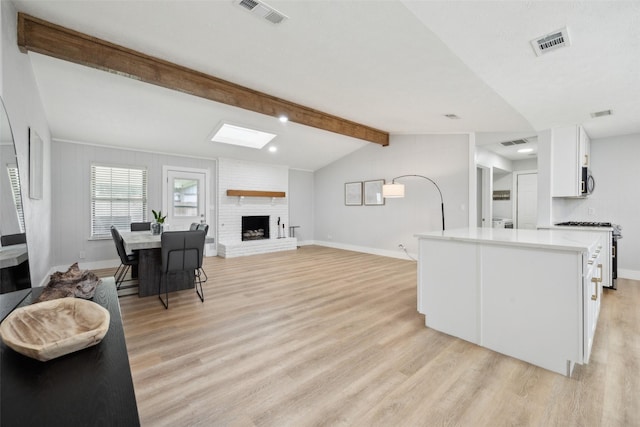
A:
591, 211
81, 255
401, 246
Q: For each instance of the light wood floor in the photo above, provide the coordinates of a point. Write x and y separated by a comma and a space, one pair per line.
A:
320, 336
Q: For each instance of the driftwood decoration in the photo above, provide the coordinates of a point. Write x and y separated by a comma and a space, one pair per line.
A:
72, 283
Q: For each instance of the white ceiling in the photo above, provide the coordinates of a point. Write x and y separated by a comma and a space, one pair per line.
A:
398, 66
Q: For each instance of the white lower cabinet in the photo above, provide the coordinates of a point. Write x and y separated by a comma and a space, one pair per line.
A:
592, 298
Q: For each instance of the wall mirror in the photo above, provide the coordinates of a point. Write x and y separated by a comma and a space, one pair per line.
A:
14, 259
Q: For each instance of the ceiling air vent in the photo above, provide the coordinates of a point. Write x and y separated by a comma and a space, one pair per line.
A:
514, 142
262, 10
601, 113
550, 42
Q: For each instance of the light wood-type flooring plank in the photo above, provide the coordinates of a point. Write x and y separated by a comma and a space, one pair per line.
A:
325, 337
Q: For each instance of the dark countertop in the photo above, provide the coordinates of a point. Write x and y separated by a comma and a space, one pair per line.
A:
89, 387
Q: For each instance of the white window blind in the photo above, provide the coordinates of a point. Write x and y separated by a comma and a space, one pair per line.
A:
118, 197
14, 179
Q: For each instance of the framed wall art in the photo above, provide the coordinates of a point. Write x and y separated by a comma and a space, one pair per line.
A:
373, 192
353, 193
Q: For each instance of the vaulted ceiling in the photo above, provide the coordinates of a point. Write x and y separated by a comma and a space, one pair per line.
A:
398, 66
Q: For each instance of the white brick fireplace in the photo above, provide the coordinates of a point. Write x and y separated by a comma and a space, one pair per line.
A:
242, 175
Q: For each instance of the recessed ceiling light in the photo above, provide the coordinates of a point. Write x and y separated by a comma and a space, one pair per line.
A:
452, 116
273, 149
283, 118
242, 136
525, 150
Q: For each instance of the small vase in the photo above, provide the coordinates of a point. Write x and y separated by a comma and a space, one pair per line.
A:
156, 228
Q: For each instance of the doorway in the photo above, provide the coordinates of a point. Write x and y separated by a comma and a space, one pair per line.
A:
185, 196
526, 184
483, 196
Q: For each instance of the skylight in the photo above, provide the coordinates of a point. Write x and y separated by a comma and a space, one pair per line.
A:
242, 136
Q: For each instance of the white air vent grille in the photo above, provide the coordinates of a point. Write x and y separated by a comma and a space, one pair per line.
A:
550, 42
601, 113
514, 142
262, 10
248, 4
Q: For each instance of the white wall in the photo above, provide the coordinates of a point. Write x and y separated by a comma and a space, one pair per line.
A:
490, 159
525, 165
379, 229
242, 175
24, 107
71, 195
614, 164
301, 206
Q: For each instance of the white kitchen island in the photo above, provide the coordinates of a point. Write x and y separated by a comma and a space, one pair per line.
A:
530, 294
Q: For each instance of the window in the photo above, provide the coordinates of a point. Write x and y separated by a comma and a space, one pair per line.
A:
118, 197
14, 179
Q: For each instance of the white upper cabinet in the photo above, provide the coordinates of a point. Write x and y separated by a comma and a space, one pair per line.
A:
570, 158
584, 147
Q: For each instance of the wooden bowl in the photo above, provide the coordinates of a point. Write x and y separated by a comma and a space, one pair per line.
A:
51, 329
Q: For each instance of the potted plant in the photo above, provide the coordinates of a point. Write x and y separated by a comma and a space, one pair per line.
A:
157, 225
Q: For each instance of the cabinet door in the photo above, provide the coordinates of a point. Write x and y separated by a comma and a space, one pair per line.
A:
566, 169
585, 148
448, 287
592, 297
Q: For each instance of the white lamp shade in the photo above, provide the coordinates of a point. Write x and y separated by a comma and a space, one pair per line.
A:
392, 190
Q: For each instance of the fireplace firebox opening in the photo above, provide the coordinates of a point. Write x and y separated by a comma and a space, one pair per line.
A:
255, 227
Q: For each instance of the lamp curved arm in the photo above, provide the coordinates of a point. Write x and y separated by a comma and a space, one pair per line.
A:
434, 183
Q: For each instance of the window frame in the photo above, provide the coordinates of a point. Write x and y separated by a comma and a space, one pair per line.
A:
138, 193
16, 193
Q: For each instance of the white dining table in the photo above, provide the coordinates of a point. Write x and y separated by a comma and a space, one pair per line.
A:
136, 240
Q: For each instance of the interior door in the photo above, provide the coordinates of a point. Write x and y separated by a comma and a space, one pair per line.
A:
186, 198
527, 200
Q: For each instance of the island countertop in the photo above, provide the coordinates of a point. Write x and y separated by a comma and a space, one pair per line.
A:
555, 239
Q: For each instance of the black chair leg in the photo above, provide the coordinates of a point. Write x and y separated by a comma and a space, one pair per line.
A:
165, 304
120, 274
198, 281
201, 271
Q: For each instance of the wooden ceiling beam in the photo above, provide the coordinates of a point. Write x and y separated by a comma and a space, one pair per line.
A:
37, 35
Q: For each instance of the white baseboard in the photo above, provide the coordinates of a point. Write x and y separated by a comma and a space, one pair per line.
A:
623, 273
366, 250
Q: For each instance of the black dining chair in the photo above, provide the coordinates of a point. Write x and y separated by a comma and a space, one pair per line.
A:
13, 239
140, 226
181, 251
205, 228
15, 277
194, 226
126, 260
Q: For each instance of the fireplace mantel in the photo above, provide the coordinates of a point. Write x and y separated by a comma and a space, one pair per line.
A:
253, 193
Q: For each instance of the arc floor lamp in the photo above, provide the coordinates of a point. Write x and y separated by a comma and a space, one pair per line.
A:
395, 190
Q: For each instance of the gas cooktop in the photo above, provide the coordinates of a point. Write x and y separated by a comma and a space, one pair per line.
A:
585, 224
617, 229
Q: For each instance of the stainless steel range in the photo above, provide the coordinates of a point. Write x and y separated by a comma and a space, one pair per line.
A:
616, 233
